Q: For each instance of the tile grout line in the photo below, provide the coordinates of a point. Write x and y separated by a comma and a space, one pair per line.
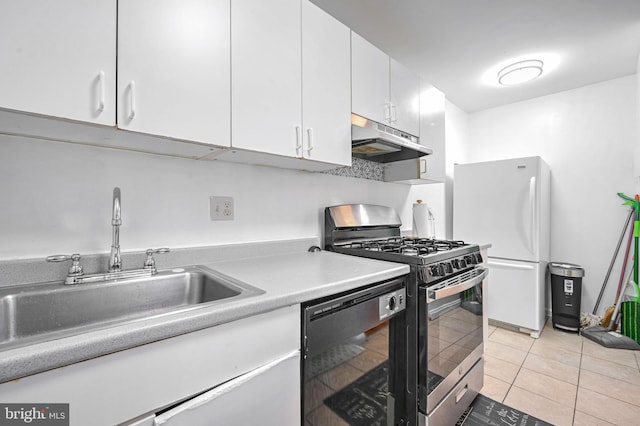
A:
594, 391
581, 368
575, 403
543, 396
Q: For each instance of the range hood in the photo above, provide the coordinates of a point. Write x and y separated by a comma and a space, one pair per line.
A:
383, 144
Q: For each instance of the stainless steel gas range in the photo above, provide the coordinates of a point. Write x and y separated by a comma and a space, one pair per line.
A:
444, 316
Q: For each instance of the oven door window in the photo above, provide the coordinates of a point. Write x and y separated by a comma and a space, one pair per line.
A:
453, 337
353, 381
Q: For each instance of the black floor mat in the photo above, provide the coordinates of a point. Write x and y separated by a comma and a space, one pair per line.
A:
364, 403
484, 411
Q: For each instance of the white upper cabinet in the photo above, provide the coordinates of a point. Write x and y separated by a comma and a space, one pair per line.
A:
383, 90
430, 168
174, 69
404, 96
58, 58
326, 88
369, 81
266, 87
291, 81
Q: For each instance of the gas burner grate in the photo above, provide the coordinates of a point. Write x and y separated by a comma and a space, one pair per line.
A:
417, 249
405, 245
438, 244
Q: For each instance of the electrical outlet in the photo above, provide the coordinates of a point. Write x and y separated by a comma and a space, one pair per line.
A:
221, 208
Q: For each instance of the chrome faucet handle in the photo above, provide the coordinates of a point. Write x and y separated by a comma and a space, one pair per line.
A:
150, 263
75, 270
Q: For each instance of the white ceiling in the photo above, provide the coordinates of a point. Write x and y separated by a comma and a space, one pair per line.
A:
452, 43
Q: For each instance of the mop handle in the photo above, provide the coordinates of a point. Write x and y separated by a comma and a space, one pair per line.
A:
613, 260
625, 260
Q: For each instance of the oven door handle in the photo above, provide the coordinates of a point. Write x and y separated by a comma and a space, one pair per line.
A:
458, 288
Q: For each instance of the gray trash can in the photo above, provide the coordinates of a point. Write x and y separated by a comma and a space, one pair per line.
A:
566, 292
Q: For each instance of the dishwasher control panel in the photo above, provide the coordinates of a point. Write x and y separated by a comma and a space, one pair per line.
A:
391, 303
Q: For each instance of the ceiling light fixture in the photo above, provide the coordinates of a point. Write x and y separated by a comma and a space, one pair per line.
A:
520, 72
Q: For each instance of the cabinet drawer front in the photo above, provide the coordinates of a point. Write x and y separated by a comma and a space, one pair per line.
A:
147, 378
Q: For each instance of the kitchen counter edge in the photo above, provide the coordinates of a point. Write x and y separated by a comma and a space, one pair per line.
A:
286, 279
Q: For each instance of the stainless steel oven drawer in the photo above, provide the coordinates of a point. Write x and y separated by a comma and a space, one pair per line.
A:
458, 400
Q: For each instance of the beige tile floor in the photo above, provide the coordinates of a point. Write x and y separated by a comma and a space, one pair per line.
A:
563, 378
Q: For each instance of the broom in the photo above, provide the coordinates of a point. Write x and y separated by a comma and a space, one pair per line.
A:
609, 310
612, 321
608, 313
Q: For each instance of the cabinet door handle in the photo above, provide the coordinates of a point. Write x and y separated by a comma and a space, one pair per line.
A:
132, 100
387, 111
393, 113
298, 140
423, 165
100, 91
461, 393
310, 139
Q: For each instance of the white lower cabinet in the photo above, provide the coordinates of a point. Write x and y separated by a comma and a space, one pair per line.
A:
258, 396
245, 369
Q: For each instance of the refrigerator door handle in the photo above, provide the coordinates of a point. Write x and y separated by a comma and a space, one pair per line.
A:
509, 265
532, 214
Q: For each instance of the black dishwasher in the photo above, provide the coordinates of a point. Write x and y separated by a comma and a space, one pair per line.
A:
354, 357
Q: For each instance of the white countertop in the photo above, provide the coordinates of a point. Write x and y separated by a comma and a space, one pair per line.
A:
286, 279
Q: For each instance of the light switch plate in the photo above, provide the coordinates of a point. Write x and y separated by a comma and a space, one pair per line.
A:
221, 208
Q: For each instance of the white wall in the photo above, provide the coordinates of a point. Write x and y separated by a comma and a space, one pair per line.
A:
587, 136
56, 198
457, 133
433, 195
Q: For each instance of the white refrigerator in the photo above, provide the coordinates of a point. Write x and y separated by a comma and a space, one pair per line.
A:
505, 203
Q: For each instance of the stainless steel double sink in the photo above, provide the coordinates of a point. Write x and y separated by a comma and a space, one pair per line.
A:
39, 312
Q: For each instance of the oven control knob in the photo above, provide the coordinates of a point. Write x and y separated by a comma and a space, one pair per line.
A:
441, 270
463, 263
448, 267
479, 258
456, 263
392, 303
434, 270
471, 260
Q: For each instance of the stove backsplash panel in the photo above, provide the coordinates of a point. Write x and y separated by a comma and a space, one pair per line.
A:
362, 169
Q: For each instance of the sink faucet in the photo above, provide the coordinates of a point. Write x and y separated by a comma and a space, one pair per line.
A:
115, 262
76, 273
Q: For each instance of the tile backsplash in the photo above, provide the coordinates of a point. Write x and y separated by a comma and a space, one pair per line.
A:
362, 169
